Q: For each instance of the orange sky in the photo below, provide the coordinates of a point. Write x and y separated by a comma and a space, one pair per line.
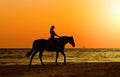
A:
93, 23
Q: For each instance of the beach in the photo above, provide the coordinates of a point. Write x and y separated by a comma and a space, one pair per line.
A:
95, 62
108, 69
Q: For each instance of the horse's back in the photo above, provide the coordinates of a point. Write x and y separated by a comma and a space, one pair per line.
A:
39, 43
43, 44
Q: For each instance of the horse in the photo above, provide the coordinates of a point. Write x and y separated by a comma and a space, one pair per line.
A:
49, 45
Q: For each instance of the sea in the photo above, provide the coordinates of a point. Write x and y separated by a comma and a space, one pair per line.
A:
17, 56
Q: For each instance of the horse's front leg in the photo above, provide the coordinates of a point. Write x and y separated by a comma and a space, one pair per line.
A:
57, 53
40, 57
64, 56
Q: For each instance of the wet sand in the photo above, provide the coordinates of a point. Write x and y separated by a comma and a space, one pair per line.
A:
111, 69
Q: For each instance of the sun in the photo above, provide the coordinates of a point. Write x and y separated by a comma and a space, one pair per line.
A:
115, 8
114, 12
112, 19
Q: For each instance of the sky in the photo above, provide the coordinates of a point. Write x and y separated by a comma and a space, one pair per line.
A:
92, 23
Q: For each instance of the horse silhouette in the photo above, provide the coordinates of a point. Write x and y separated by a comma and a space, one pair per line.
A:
50, 45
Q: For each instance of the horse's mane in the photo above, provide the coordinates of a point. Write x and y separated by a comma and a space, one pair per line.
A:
64, 36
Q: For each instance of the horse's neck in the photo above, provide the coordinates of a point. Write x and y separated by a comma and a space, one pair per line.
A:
64, 41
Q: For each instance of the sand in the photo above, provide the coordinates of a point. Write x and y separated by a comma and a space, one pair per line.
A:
111, 69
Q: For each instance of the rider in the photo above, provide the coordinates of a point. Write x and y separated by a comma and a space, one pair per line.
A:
52, 39
53, 34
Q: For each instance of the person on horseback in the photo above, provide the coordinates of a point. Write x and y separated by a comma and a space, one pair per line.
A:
52, 32
52, 39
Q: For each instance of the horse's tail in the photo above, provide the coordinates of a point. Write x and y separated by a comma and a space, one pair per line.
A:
29, 53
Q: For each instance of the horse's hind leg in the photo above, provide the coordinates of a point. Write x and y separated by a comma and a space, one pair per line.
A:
40, 57
64, 56
32, 57
29, 53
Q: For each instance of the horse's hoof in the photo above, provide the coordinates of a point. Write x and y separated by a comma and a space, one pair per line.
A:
43, 64
64, 63
56, 63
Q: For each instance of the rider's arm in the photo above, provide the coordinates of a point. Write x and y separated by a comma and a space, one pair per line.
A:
56, 34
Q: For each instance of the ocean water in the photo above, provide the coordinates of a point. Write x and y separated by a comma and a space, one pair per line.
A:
73, 55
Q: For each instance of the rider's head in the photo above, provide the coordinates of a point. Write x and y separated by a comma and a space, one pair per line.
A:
52, 26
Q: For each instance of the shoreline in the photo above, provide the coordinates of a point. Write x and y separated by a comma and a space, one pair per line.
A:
107, 69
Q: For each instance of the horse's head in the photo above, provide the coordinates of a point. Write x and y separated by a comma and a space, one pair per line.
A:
71, 41
66, 39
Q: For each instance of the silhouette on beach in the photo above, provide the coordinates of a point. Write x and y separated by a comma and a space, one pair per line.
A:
43, 44
52, 40
52, 44
52, 32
